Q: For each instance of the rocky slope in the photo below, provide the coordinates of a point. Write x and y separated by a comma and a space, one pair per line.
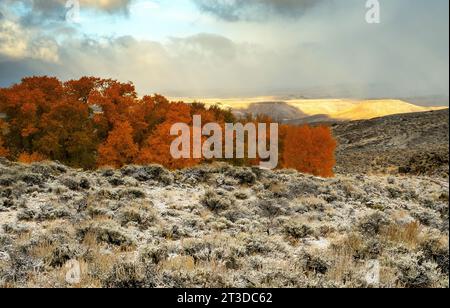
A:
219, 226
415, 143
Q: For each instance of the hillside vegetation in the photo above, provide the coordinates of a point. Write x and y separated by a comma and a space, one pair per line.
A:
219, 226
414, 144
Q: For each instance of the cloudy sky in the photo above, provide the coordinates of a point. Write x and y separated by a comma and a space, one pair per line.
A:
233, 47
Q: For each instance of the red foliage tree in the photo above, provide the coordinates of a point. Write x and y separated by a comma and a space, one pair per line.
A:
24, 104
308, 149
4, 152
157, 146
120, 148
67, 134
27, 158
81, 90
96, 122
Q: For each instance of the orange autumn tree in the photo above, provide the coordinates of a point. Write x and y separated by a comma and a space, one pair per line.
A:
23, 107
146, 115
157, 147
119, 149
82, 89
27, 158
116, 100
94, 122
308, 149
4, 152
67, 134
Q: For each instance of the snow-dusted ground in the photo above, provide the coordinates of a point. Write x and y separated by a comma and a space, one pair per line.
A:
219, 226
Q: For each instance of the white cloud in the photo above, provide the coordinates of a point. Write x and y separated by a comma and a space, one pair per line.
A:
17, 42
13, 41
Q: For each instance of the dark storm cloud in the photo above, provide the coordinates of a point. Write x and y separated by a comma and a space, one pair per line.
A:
19, 69
49, 12
235, 10
43, 12
109, 6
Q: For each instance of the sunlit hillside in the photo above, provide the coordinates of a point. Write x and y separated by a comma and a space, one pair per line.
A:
323, 106
379, 108
339, 109
234, 103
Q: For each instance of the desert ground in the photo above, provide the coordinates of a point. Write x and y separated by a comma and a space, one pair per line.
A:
224, 226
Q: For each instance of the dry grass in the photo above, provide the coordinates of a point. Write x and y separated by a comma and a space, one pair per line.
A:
43, 250
342, 253
179, 263
408, 234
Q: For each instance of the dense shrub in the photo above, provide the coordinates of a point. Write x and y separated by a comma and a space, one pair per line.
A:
216, 201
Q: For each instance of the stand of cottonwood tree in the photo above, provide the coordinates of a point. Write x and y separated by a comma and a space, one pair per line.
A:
46, 119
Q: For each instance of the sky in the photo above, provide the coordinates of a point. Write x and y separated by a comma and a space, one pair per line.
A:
231, 48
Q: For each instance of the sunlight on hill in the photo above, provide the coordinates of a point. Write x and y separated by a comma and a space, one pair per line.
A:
339, 109
380, 108
327, 107
233, 103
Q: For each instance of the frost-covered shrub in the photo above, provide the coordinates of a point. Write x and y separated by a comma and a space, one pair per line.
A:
107, 232
315, 264
130, 275
51, 212
216, 201
297, 229
153, 253
414, 272
132, 193
372, 224
147, 173
435, 251
243, 175
26, 214
143, 218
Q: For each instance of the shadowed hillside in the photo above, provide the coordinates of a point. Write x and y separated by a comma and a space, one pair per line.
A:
409, 143
277, 111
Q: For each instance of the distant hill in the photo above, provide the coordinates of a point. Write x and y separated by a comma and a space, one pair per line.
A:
414, 143
278, 111
379, 108
300, 111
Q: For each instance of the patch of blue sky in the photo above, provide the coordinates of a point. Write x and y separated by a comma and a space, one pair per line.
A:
155, 20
